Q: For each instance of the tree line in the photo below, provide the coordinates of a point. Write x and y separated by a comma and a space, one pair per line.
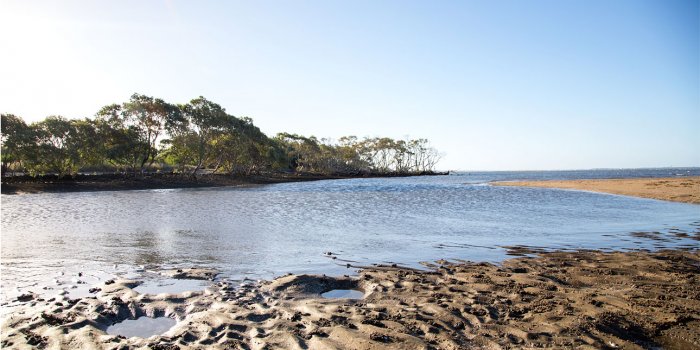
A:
147, 134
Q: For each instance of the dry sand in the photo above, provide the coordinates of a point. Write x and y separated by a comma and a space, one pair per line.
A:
677, 189
582, 300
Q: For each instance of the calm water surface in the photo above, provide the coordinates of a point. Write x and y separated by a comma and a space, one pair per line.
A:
270, 230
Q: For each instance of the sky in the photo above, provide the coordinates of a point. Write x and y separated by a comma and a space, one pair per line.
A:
494, 85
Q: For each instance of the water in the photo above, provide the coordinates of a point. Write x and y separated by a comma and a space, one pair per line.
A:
171, 286
343, 294
266, 231
143, 327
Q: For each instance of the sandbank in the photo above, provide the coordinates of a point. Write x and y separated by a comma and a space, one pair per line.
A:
676, 189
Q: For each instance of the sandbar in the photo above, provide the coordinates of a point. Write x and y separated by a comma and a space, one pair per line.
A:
676, 189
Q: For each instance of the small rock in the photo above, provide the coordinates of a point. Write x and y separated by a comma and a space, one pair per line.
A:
380, 337
25, 297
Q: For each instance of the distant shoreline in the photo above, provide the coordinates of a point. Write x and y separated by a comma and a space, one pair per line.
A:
123, 182
675, 189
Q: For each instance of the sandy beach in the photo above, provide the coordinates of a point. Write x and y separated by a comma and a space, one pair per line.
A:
582, 299
676, 189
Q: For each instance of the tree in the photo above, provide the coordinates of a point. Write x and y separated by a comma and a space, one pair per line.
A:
303, 152
144, 118
206, 121
15, 138
56, 149
350, 151
423, 157
380, 153
198, 135
248, 150
123, 146
90, 143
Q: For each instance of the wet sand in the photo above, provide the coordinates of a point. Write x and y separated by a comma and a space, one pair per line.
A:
579, 299
676, 189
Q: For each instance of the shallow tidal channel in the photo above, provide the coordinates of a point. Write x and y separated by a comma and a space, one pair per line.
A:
65, 243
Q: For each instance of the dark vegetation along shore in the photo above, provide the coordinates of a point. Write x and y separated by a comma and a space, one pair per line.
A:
149, 143
116, 182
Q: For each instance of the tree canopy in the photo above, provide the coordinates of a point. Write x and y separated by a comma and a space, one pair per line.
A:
146, 134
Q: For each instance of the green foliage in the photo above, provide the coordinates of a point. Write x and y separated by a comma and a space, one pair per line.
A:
122, 145
16, 138
380, 155
142, 120
56, 148
197, 143
194, 138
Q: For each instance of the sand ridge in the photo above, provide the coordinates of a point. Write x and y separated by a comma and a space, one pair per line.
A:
676, 189
579, 299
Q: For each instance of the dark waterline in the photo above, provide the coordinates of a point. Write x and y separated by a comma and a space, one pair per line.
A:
267, 231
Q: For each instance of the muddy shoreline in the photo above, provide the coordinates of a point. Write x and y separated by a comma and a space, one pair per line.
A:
121, 182
580, 299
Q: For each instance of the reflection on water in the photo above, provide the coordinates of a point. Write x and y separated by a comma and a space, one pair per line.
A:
271, 230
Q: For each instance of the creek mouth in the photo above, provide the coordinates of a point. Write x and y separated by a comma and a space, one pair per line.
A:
266, 231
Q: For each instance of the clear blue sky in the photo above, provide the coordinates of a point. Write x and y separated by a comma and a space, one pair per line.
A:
493, 84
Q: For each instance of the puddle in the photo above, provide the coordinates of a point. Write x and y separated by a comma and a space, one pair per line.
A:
171, 286
143, 327
343, 294
81, 291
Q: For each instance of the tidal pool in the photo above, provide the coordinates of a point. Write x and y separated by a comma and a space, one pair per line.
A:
343, 294
171, 286
143, 327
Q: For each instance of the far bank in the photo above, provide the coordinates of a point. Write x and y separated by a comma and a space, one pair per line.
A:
120, 182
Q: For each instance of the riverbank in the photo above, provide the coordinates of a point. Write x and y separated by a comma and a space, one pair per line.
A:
119, 182
579, 299
676, 189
